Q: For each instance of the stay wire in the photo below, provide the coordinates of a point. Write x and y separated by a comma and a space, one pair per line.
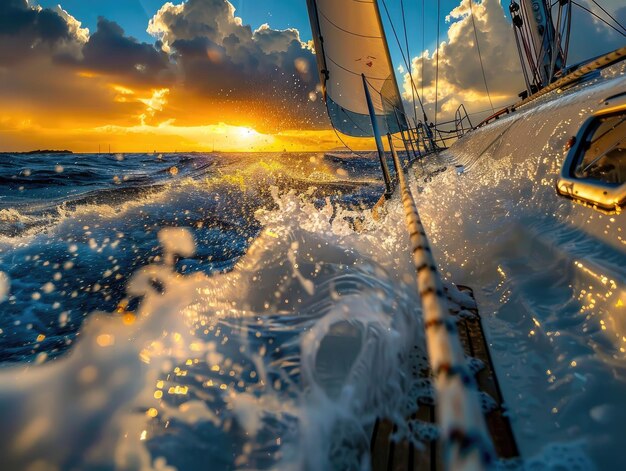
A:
480, 57
608, 14
346, 145
406, 62
437, 64
408, 53
598, 17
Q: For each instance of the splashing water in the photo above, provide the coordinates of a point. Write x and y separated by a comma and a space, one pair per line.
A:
299, 347
229, 316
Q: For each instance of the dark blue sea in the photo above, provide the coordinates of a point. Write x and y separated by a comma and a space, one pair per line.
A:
198, 311
75, 227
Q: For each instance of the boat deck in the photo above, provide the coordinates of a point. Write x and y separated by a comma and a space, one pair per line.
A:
388, 455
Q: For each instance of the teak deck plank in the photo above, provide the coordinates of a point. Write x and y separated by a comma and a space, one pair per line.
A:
381, 445
390, 456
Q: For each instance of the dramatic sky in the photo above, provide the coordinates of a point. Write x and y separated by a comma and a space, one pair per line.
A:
143, 75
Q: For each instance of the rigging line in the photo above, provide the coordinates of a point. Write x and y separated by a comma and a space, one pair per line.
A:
560, 32
437, 65
389, 101
423, 42
482, 68
383, 99
408, 53
356, 125
406, 62
569, 29
346, 145
340, 138
598, 17
524, 71
608, 14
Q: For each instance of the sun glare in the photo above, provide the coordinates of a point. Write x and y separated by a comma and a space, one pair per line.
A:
247, 133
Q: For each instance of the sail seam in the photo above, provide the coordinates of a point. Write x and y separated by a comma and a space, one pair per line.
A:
353, 72
345, 30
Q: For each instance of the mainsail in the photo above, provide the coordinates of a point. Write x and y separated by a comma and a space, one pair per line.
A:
350, 43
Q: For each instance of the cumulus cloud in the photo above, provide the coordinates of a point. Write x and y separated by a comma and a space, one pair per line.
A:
27, 32
271, 40
53, 37
204, 55
74, 26
54, 73
62, 85
110, 51
211, 19
219, 56
460, 75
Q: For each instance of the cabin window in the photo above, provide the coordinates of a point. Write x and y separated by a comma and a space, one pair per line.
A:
594, 171
604, 156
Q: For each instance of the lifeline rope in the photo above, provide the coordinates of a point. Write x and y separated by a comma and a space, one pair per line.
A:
466, 444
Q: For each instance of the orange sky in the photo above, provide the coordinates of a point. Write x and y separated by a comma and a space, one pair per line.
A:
205, 79
229, 88
100, 112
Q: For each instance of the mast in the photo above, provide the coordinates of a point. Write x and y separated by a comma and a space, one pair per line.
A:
539, 43
378, 139
356, 72
363, 100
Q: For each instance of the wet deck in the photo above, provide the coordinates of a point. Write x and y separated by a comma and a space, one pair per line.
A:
388, 455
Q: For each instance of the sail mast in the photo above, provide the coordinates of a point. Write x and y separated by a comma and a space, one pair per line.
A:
539, 43
350, 42
377, 137
363, 99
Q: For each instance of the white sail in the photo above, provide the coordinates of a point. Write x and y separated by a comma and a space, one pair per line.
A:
350, 42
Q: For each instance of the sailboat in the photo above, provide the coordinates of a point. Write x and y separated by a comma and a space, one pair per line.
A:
504, 182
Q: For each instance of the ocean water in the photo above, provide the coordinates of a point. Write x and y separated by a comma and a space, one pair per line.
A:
218, 311
74, 228
200, 311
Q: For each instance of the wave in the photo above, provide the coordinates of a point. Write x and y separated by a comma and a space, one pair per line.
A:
46, 203
196, 346
270, 333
